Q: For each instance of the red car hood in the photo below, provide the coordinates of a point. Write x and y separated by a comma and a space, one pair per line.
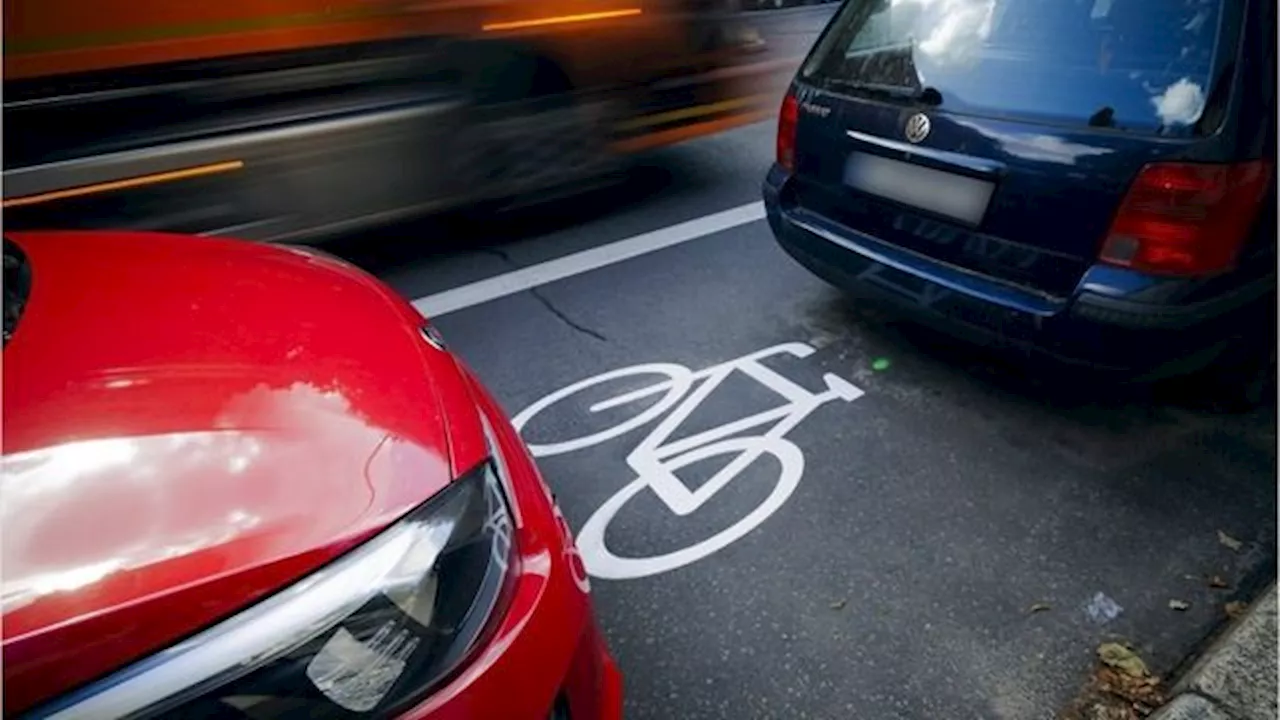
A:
190, 424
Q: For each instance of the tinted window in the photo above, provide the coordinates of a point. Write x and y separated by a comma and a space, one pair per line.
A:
1144, 65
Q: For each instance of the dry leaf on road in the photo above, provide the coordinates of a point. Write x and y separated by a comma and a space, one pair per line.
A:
1121, 688
1123, 659
1179, 605
1038, 607
1235, 609
1218, 583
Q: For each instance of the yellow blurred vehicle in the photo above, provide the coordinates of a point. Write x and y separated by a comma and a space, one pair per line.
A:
292, 119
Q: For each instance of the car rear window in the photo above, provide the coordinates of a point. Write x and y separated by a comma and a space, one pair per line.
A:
1139, 65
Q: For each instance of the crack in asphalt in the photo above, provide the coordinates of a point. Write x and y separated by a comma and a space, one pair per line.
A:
551, 308
501, 255
565, 318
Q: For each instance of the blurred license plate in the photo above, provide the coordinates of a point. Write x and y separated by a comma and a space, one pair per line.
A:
956, 196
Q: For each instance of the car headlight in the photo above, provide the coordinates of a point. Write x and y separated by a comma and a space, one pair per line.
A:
368, 635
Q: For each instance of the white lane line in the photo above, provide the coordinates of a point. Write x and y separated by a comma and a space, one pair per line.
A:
562, 267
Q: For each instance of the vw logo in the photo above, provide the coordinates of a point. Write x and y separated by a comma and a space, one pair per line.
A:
917, 128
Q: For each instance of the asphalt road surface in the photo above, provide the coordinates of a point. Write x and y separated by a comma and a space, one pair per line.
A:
797, 508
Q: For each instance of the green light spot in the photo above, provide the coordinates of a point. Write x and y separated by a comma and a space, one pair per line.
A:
880, 364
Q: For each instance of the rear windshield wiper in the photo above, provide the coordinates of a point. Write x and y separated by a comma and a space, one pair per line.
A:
925, 95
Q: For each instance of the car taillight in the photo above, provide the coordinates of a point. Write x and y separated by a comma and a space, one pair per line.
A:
787, 118
1186, 218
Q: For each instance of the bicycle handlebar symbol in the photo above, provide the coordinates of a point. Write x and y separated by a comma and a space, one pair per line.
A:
656, 458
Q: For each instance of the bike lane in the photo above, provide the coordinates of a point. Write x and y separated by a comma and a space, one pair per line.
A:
926, 511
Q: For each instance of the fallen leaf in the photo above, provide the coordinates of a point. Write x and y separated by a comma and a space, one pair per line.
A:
839, 604
1038, 607
1217, 582
1235, 609
1111, 694
880, 364
1229, 541
1178, 605
1123, 659
1144, 690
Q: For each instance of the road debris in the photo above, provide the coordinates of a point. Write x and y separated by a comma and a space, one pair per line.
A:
1179, 605
1122, 658
1102, 609
1235, 609
839, 604
880, 363
1229, 541
1121, 688
1039, 607
1216, 582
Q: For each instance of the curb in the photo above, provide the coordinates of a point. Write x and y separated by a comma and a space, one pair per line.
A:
1235, 678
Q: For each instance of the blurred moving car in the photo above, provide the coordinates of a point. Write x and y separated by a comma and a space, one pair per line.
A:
300, 119
245, 481
779, 4
1091, 181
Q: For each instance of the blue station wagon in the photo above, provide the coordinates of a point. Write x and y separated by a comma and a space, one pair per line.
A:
1092, 180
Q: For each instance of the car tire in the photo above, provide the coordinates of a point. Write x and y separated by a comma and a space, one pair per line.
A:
528, 133
1254, 385
497, 80
1242, 379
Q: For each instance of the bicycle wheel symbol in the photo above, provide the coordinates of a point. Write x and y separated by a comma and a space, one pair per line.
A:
656, 458
678, 380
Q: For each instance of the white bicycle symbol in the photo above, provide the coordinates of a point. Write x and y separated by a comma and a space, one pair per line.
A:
655, 458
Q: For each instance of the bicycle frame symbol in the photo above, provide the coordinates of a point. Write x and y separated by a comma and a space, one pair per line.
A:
656, 457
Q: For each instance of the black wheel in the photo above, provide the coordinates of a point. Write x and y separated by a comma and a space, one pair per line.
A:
1241, 379
527, 128
1249, 382
495, 73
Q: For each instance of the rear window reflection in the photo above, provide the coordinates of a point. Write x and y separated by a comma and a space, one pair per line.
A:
1141, 65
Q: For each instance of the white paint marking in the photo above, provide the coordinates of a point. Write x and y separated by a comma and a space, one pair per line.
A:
656, 458
585, 261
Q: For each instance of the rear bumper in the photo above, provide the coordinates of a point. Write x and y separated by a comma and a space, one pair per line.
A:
1110, 333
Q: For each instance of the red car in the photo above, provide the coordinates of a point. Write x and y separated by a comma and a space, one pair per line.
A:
249, 482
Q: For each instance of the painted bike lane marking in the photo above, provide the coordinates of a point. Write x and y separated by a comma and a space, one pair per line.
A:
655, 458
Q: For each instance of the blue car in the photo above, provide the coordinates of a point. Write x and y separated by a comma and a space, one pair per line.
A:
1089, 180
